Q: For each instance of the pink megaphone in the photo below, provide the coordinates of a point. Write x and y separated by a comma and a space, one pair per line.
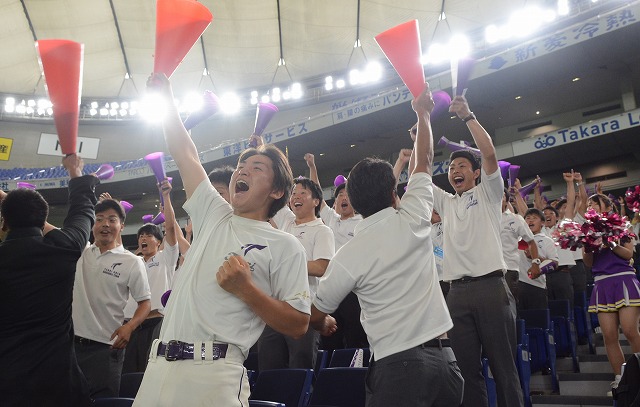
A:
526, 190
210, 106
179, 24
25, 185
401, 46
513, 174
159, 219
504, 169
105, 172
264, 114
126, 206
340, 179
444, 142
147, 218
61, 62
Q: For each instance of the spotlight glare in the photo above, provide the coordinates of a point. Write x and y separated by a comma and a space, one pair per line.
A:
328, 86
50, 111
21, 109
286, 95
113, 112
192, 102
123, 112
340, 83
459, 46
124, 105
153, 107
230, 103
43, 104
354, 77
9, 108
265, 99
104, 111
10, 101
373, 72
31, 103
93, 112
115, 105
296, 90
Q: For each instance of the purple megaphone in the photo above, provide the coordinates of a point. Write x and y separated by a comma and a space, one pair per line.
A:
340, 179
105, 172
147, 218
264, 114
545, 199
159, 219
25, 185
210, 107
526, 190
165, 297
156, 162
442, 101
504, 169
465, 65
126, 206
513, 174
453, 146
540, 187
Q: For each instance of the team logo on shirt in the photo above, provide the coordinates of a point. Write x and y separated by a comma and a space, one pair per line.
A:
112, 270
248, 247
472, 202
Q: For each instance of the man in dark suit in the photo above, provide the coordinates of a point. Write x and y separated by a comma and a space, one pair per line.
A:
38, 262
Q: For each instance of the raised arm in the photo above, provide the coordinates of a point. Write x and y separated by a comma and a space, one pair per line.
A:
180, 145
581, 208
403, 159
521, 205
169, 214
310, 159
423, 146
570, 212
460, 107
537, 196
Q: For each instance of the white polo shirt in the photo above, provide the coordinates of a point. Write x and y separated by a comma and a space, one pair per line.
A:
316, 238
160, 271
513, 227
389, 265
472, 228
546, 251
438, 252
565, 256
342, 229
102, 286
198, 308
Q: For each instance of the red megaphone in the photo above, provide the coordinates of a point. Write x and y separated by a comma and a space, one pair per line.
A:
179, 24
401, 46
61, 62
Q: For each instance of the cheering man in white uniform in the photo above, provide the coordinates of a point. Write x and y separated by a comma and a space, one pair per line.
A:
481, 305
240, 274
403, 311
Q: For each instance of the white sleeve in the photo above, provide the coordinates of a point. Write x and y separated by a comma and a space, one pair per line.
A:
138, 282
205, 203
333, 288
418, 201
328, 215
324, 246
523, 229
170, 256
439, 196
492, 186
283, 216
548, 250
289, 281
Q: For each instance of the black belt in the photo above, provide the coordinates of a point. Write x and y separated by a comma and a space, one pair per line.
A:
176, 350
468, 279
85, 342
437, 343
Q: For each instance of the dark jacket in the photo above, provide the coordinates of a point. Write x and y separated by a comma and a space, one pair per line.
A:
38, 365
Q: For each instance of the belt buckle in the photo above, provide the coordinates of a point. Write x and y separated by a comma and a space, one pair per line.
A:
167, 357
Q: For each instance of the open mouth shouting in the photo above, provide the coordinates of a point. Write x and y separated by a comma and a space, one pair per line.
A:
458, 181
241, 186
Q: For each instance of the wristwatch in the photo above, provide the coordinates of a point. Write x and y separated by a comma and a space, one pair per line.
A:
471, 116
536, 261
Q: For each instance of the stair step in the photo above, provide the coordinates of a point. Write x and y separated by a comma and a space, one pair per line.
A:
541, 383
561, 401
585, 384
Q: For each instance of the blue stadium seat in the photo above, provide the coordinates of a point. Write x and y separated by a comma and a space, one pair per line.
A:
322, 361
261, 403
583, 320
340, 387
565, 330
291, 387
542, 343
523, 361
490, 382
343, 357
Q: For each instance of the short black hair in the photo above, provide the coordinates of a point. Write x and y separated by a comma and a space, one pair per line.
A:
475, 162
221, 175
107, 204
338, 189
23, 208
316, 191
150, 229
536, 212
282, 175
551, 208
371, 186
560, 202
